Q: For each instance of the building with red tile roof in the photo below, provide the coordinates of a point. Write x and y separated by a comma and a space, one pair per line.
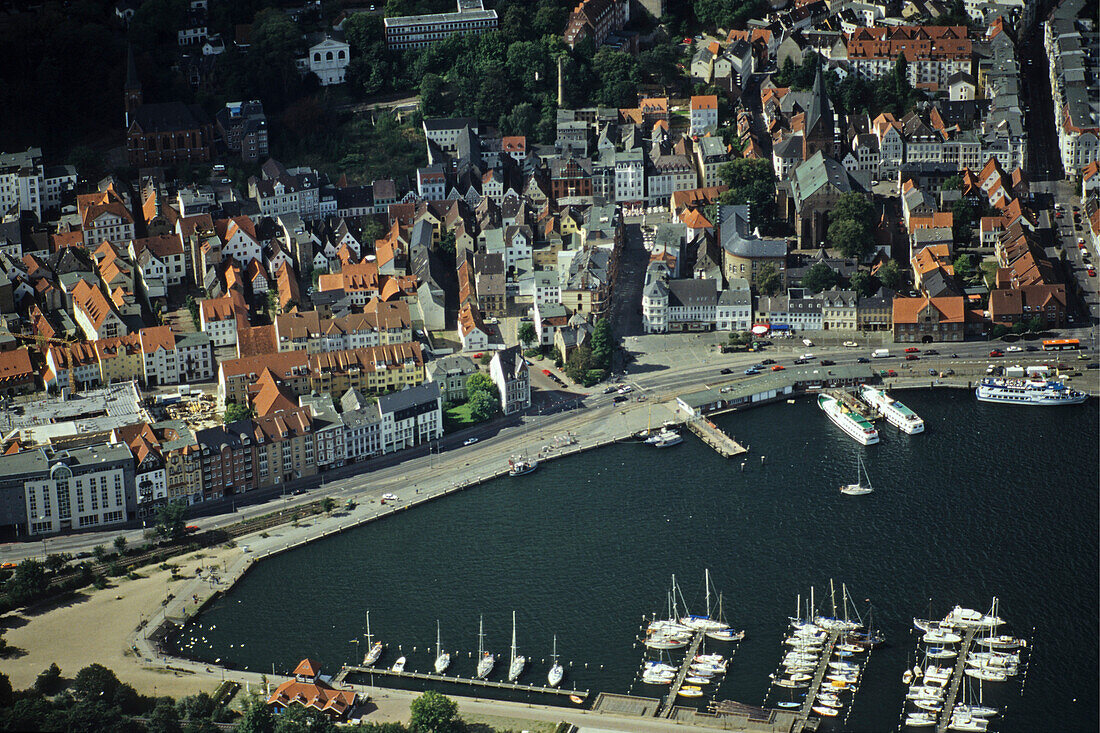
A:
927, 320
16, 372
310, 691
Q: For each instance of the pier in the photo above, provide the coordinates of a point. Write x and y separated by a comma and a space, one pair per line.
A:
956, 680
674, 689
345, 670
815, 685
713, 436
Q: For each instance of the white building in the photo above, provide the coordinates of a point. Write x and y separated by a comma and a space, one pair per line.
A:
26, 184
411, 417
509, 373
704, 114
630, 176
329, 60
362, 426
417, 31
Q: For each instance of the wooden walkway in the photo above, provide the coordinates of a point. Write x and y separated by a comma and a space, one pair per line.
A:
674, 689
956, 680
815, 684
713, 436
385, 672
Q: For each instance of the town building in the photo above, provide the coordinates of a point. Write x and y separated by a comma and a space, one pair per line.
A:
704, 116
26, 184
418, 31
508, 370
411, 416
243, 126
310, 691
328, 59
451, 373
745, 254
595, 20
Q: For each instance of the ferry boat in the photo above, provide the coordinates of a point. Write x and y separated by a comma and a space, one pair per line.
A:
665, 439
854, 424
895, 412
1029, 391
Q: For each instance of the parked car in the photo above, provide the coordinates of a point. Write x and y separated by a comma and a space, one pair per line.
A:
767, 361
470, 441
931, 352
778, 368
800, 360
932, 372
996, 352
850, 344
626, 389
1015, 348
911, 357
609, 390
827, 362
727, 370
1029, 347
619, 398
751, 371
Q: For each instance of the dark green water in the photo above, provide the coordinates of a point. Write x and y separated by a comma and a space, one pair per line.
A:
990, 500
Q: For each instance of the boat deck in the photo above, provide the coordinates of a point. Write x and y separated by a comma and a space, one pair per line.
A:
956, 679
853, 403
815, 686
674, 689
713, 436
516, 687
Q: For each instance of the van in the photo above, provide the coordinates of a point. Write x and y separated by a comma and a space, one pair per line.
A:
219, 169
1040, 369
880, 353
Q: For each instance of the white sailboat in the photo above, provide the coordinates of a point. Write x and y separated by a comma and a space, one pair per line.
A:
704, 623
556, 671
518, 662
485, 660
374, 651
442, 658
859, 487
726, 634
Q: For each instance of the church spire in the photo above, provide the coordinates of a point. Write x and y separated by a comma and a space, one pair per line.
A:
131, 89
817, 130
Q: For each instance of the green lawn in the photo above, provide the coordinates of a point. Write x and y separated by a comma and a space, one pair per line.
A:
457, 417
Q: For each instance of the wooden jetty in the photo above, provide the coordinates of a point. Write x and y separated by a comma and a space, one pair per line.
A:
956, 680
713, 436
674, 689
815, 685
512, 686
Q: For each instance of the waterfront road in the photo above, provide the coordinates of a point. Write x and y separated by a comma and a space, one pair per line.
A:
661, 367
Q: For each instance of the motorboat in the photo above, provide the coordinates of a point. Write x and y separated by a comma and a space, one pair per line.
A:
938, 652
932, 706
920, 720
843, 667
784, 682
987, 675
862, 484
1000, 642
399, 665
518, 662
485, 660
521, 466
941, 637
710, 658
895, 412
725, 635
660, 668
789, 704
967, 723
850, 648
975, 711
690, 691
960, 616
698, 680
657, 679
554, 676
824, 711
665, 642
442, 658
803, 677
926, 625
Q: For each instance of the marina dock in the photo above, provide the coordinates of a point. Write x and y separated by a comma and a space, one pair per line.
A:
674, 689
956, 680
815, 684
713, 436
341, 676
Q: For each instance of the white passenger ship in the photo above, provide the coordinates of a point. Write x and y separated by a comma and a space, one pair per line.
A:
854, 424
1031, 391
895, 412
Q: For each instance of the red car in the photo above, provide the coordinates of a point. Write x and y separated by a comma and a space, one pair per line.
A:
546, 372
1092, 272
996, 352
911, 357
778, 368
912, 350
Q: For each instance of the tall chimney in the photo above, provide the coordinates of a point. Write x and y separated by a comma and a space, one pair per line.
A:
561, 83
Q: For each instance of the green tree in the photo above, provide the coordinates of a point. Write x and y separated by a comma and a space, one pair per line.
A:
256, 718
372, 231
198, 707
234, 412
618, 76
328, 504
819, 277
751, 182
891, 276
482, 405
164, 718
434, 713
962, 212
864, 283
526, 333
120, 545
431, 95
850, 237
6, 694
447, 245
479, 382
170, 520
49, 680
578, 364
602, 344
100, 553
56, 561
28, 582
768, 280
96, 682
964, 266
952, 183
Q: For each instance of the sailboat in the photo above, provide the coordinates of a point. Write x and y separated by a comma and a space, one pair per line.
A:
522, 466
704, 623
442, 658
515, 667
726, 634
859, 487
374, 651
485, 660
556, 671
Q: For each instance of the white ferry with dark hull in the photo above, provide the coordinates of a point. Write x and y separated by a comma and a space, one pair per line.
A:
852, 423
894, 411
1031, 391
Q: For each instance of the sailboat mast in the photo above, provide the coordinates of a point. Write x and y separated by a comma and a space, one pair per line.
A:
675, 607
832, 596
513, 637
481, 637
707, 581
438, 641
554, 653
844, 600
368, 630
813, 608
798, 606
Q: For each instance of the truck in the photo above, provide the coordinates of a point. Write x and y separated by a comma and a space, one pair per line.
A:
1038, 369
1014, 371
880, 353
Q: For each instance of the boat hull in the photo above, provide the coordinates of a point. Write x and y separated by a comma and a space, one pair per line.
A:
843, 420
897, 414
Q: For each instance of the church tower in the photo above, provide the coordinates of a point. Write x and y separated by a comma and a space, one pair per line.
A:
818, 128
131, 90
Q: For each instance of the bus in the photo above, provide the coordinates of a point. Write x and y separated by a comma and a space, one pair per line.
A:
1061, 344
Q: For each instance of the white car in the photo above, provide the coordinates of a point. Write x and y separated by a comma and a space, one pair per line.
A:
626, 390
807, 342
389, 497
470, 441
850, 344
1015, 348
808, 356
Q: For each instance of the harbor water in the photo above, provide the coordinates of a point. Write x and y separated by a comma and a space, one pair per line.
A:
991, 500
